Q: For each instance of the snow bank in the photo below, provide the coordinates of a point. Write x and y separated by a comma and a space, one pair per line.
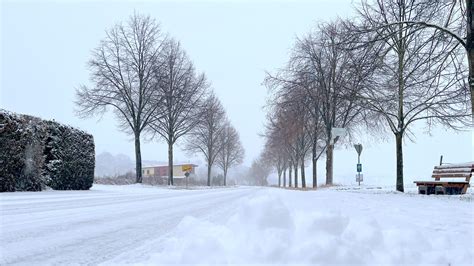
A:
265, 229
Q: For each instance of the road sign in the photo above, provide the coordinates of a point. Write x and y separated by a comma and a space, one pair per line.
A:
358, 148
359, 178
186, 167
187, 176
337, 132
359, 167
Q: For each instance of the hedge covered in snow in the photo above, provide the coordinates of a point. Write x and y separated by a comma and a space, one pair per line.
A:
35, 153
21, 153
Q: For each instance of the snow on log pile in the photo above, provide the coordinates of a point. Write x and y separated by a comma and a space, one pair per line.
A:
36, 153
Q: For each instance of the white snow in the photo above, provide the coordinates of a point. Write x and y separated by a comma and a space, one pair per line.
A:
147, 226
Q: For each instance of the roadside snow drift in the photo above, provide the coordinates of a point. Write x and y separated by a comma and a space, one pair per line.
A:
353, 229
142, 225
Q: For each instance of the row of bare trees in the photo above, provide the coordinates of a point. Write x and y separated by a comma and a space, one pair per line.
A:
216, 139
369, 73
153, 87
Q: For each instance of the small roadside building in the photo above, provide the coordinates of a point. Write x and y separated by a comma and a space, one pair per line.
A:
162, 170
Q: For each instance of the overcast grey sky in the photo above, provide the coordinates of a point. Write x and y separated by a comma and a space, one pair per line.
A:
45, 47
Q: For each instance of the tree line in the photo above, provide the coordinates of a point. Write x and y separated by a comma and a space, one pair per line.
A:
153, 88
394, 64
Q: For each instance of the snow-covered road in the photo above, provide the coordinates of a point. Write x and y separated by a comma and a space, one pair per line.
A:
115, 225
90, 227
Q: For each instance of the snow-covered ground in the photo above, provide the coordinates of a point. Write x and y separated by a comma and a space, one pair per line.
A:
147, 225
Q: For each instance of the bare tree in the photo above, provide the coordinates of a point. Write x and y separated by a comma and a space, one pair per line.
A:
179, 96
450, 17
232, 151
315, 131
415, 81
123, 76
204, 138
337, 75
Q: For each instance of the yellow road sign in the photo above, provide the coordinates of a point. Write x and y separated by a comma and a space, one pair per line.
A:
186, 168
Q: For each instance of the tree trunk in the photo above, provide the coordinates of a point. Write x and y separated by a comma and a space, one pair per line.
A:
208, 175
296, 174
289, 176
401, 113
170, 164
284, 177
329, 164
138, 158
279, 178
303, 178
315, 162
225, 177
470, 51
399, 143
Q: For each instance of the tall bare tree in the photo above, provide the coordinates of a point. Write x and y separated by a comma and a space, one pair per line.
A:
451, 17
416, 80
179, 95
338, 74
122, 72
232, 152
204, 138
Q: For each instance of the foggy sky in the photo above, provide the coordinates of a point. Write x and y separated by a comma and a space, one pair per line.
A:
45, 47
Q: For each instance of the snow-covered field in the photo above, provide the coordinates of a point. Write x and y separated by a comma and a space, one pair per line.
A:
147, 225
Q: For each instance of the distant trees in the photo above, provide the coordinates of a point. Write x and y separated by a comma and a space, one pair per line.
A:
122, 73
231, 152
215, 138
258, 172
275, 152
205, 137
178, 95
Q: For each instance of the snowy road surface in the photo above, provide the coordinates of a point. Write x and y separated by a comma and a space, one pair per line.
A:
145, 225
94, 226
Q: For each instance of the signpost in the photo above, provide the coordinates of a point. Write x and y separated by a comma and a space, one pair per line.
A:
186, 168
186, 175
358, 148
359, 178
